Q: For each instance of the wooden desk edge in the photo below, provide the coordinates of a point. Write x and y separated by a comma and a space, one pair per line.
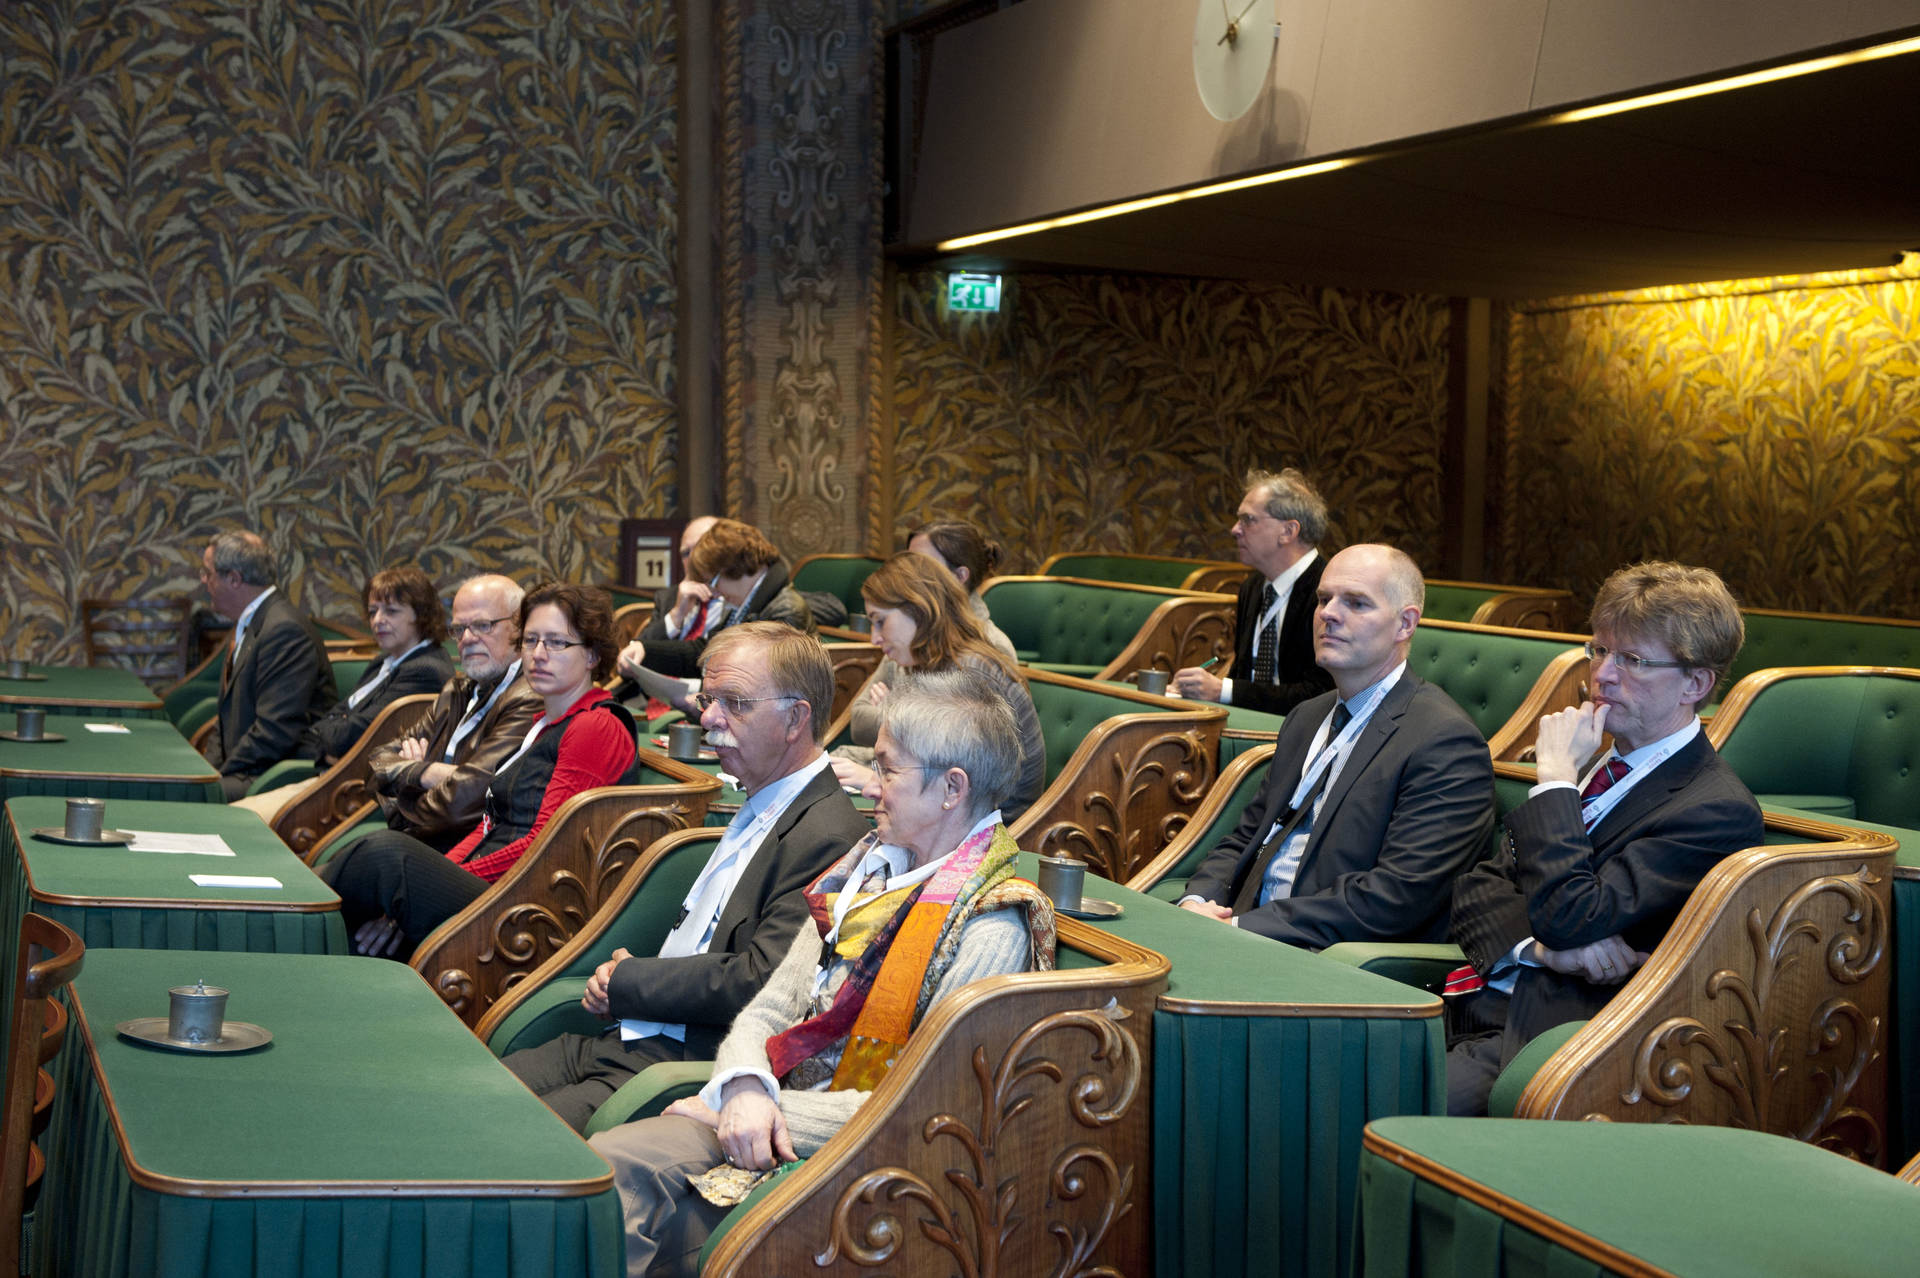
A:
182, 1187
1529, 1218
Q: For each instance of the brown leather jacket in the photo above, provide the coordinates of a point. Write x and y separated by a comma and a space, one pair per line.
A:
444, 814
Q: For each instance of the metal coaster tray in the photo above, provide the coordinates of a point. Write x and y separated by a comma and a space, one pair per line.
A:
45, 738
58, 834
1092, 907
235, 1036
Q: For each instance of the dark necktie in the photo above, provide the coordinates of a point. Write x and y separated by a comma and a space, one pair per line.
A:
1249, 894
1264, 641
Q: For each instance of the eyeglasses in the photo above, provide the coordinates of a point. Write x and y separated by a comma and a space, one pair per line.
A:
890, 772
533, 643
481, 629
1596, 653
738, 707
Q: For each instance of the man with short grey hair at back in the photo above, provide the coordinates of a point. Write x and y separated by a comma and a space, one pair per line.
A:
276, 679
1280, 524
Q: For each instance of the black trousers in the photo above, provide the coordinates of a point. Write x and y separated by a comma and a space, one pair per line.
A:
393, 875
576, 1073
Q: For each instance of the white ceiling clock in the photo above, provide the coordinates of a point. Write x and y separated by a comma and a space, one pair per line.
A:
1232, 50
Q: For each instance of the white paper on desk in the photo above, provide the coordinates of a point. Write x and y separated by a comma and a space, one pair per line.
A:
235, 880
174, 841
106, 727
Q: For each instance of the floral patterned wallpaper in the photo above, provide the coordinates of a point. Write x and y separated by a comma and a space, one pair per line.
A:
1769, 429
1119, 413
386, 279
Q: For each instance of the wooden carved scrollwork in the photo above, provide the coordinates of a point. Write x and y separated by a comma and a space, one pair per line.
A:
988, 1217
1152, 793
455, 989
1773, 1074
1204, 634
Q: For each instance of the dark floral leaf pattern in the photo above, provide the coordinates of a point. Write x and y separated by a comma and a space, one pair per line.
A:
386, 279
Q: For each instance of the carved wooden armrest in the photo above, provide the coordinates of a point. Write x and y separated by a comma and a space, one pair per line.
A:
1765, 1007
1132, 785
1561, 685
1217, 579
1201, 827
1528, 610
629, 621
538, 904
1015, 1124
343, 789
1179, 633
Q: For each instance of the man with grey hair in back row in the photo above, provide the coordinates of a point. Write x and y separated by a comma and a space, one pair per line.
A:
1378, 794
276, 678
1278, 528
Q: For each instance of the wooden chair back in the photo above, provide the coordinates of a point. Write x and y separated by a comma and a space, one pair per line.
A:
60, 954
343, 789
1014, 1125
629, 621
557, 885
1766, 1006
148, 638
853, 665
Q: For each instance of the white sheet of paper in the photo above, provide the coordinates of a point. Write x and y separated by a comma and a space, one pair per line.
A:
173, 841
235, 880
106, 727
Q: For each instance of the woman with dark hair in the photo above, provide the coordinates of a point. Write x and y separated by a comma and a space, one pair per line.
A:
394, 889
972, 557
922, 623
410, 628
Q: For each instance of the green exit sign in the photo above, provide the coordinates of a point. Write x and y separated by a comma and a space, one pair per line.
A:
973, 291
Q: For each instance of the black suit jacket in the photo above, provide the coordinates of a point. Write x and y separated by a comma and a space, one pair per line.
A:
1411, 808
1554, 881
327, 738
756, 927
1296, 675
280, 683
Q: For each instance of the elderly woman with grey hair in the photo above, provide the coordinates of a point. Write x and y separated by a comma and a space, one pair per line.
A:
919, 908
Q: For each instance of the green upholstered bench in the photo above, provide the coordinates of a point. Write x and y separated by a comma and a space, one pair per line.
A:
1166, 571
1504, 678
1836, 741
1779, 638
1107, 630
838, 575
531, 912
1486, 604
196, 693
1124, 771
1494, 1196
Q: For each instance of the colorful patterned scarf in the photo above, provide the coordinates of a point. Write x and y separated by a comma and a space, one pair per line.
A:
901, 943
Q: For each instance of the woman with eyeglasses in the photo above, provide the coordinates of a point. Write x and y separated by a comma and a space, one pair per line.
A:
922, 622
394, 889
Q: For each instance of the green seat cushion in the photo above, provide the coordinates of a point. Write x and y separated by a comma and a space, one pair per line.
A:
1455, 603
286, 772
1513, 1080
1489, 675
839, 576
649, 1092
1826, 805
1823, 641
1169, 574
1069, 624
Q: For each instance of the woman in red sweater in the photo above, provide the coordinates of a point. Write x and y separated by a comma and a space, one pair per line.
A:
394, 889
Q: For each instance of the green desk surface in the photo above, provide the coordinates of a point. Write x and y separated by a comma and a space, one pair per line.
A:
114, 898
374, 1134
1602, 1197
150, 760
1268, 1062
81, 690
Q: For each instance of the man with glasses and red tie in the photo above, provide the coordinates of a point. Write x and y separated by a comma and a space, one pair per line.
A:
432, 780
765, 701
1597, 862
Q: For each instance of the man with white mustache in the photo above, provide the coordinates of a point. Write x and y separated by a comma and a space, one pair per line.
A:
766, 698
